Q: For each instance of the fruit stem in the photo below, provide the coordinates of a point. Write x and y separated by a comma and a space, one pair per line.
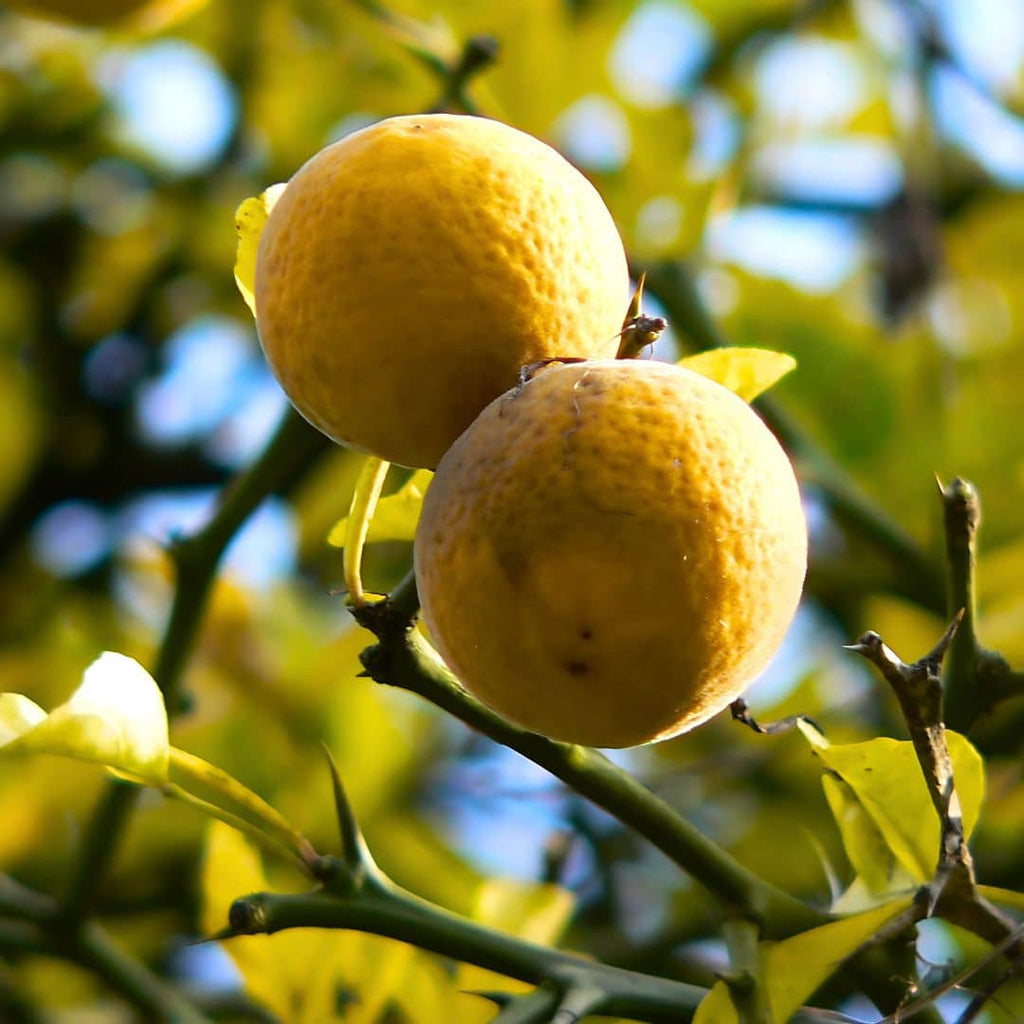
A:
364, 504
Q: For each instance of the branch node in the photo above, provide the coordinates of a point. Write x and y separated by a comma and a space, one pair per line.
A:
247, 916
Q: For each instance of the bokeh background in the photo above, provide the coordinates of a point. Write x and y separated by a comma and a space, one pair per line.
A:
837, 179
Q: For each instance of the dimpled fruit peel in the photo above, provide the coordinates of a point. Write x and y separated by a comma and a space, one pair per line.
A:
612, 552
409, 271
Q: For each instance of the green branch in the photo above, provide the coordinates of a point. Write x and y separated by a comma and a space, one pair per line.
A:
745, 979
402, 659
36, 926
961, 518
398, 915
289, 453
976, 679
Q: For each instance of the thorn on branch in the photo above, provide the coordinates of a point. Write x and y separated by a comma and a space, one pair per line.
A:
350, 872
534, 1007
917, 686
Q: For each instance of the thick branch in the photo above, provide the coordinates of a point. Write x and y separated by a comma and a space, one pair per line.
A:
402, 659
961, 516
400, 916
976, 679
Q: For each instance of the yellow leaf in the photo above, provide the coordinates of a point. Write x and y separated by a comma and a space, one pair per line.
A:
116, 717
747, 371
17, 715
292, 973
250, 217
793, 969
796, 967
1004, 897
396, 515
535, 912
886, 778
214, 789
298, 973
865, 846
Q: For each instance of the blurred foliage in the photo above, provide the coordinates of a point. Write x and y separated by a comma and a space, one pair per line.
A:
910, 364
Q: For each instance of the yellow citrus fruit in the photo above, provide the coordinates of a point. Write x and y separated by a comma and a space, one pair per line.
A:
150, 13
408, 271
611, 552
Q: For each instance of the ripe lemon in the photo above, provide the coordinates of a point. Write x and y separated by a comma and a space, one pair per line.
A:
408, 271
611, 552
152, 13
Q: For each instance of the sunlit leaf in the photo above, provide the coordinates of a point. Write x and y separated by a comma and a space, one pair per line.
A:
298, 974
747, 371
865, 846
396, 515
250, 217
535, 912
18, 714
885, 776
292, 973
216, 789
116, 717
793, 969
1003, 897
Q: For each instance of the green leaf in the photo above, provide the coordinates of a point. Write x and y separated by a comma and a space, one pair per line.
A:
116, 717
396, 515
214, 790
250, 218
865, 846
886, 779
793, 969
747, 371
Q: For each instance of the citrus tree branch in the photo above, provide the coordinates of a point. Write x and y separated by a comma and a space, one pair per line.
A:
402, 659
196, 558
975, 678
36, 926
952, 894
398, 915
745, 978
